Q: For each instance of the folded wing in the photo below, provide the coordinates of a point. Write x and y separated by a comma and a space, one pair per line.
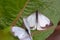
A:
20, 33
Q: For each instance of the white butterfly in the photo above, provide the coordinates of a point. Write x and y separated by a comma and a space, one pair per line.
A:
21, 33
37, 21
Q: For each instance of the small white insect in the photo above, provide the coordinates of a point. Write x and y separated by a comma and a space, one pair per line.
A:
20, 33
38, 21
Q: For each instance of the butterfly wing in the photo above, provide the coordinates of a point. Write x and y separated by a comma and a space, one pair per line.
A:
27, 26
32, 21
20, 33
43, 21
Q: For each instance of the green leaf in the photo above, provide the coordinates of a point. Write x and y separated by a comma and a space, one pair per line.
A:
10, 8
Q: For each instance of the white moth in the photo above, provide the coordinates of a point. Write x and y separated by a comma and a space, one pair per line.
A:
20, 33
38, 21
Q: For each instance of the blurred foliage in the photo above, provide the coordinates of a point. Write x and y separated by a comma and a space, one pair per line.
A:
10, 8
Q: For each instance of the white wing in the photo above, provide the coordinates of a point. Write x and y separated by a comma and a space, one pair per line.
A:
27, 26
32, 21
42, 21
20, 33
